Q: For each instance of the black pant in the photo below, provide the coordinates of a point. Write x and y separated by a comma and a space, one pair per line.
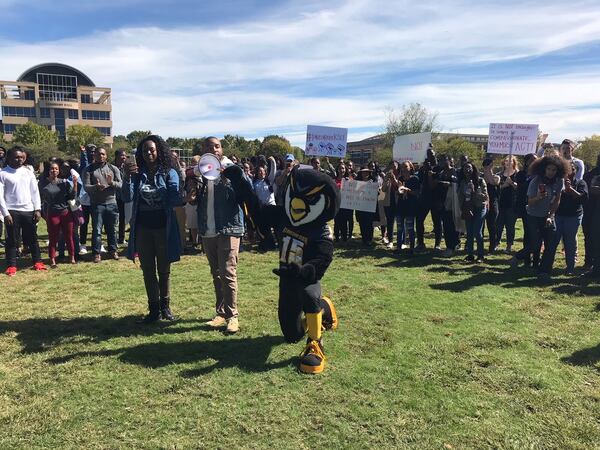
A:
342, 224
23, 221
269, 216
436, 218
538, 233
450, 235
589, 236
121, 232
151, 245
525, 253
365, 221
390, 218
295, 298
491, 222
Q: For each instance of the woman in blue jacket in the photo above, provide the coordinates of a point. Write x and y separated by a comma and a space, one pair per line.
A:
152, 184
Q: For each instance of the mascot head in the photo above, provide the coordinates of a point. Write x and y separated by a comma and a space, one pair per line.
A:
311, 198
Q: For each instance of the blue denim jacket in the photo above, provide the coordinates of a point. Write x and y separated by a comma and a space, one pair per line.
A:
229, 219
168, 186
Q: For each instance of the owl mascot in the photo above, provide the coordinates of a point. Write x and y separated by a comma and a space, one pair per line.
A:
311, 200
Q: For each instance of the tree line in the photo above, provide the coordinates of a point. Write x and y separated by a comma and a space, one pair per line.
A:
414, 118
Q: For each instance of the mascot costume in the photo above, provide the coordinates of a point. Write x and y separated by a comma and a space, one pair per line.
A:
311, 200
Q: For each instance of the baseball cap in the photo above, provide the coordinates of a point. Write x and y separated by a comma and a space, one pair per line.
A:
290, 157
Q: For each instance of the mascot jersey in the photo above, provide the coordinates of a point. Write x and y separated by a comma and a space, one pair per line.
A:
311, 200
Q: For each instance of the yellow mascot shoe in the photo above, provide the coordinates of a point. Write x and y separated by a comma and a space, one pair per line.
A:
330, 319
312, 359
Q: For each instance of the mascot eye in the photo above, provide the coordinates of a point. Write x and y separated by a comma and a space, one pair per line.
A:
312, 199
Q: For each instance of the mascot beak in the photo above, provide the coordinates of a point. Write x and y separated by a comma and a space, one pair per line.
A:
299, 209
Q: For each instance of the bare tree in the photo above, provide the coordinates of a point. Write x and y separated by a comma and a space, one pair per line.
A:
414, 118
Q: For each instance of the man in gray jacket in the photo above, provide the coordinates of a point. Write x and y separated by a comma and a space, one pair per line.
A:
101, 181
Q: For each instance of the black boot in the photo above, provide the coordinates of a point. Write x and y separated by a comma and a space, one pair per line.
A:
153, 313
165, 310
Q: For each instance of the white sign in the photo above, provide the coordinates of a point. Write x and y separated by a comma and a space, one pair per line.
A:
411, 147
522, 138
359, 195
326, 141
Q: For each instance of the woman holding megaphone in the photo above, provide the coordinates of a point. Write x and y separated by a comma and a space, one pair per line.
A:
152, 183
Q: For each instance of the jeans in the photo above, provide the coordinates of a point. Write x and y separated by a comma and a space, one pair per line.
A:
342, 225
566, 229
405, 225
365, 221
507, 218
390, 213
525, 253
107, 216
436, 218
83, 228
23, 221
538, 233
475, 231
589, 236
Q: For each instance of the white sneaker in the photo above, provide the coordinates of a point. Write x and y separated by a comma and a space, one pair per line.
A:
83, 250
102, 249
385, 240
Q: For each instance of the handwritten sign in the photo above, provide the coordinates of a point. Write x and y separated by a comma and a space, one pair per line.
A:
512, 138
326, 141
359, 195
411, 147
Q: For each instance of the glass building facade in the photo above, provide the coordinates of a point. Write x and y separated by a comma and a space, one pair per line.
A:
56, 96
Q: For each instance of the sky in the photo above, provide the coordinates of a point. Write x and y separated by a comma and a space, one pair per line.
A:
258, 67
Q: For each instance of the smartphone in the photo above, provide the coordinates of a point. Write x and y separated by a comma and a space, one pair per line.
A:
542, 188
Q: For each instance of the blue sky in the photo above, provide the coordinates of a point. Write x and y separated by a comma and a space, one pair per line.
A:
259, 67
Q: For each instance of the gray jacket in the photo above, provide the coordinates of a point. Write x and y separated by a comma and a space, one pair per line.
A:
95, 173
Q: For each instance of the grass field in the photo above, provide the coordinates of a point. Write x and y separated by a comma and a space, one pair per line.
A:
430, 353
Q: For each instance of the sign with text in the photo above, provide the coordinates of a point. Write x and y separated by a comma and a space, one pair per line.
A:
326, 141
411, 147
512, 138
359, 195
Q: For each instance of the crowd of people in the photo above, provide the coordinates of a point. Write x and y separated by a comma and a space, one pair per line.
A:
172, 209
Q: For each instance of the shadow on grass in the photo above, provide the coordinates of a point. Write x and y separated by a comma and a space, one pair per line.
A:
246, 354
41, 334
587, 357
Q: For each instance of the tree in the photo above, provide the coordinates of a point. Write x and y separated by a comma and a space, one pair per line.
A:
136, 136
456, 147
384, 156
174, 142
31, 134
589, 150
240, 146
274, 145
81, 135
120, 142
414, 118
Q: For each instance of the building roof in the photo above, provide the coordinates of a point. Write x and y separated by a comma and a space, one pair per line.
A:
370, 140
56, 69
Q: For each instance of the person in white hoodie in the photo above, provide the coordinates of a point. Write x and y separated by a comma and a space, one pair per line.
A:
20, 205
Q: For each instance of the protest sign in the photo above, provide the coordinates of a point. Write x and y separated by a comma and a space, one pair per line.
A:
411, 147
512, 138
359, 195
326, 141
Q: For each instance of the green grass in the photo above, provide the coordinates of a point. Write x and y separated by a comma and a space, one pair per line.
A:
430, 353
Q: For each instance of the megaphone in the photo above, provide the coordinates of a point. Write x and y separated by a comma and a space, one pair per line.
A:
209, 167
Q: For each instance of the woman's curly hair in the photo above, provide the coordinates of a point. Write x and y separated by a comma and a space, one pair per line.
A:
538, 167
164, 157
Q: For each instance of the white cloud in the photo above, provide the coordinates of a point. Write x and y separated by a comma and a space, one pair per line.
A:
199, 80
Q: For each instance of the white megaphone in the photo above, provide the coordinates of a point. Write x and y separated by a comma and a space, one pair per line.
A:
209, 167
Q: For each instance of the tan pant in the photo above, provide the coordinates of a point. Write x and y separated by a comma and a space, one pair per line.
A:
222, 254
180, 215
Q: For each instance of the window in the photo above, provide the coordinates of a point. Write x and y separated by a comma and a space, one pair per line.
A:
29, 94
95, 115
18, 111
73, 114
45, 113
104, 130
57, 87
86, 98
9, 128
